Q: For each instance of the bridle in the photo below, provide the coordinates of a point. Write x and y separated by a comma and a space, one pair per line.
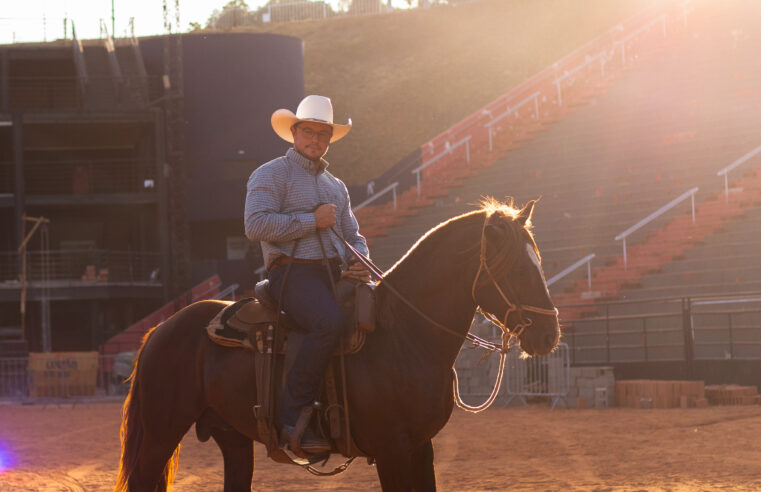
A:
508, 335
516, 331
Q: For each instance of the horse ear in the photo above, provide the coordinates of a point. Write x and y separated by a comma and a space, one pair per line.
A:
524, 215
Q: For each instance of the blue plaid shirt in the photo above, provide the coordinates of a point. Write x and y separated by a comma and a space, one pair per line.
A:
280, 200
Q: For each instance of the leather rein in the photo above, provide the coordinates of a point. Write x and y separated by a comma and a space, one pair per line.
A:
508, 335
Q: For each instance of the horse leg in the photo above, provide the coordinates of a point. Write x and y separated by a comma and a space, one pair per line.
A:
238, 455
406, 469
422, 468
395, 469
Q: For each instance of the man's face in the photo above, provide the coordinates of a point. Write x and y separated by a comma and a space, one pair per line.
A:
311, 139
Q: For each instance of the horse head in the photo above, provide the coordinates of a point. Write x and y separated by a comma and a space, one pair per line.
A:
509, 286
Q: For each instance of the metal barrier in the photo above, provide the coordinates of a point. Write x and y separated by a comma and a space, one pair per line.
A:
547, 375
670, 329
64, 377
83, 266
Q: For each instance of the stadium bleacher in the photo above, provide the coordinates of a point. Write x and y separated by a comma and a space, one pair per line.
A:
632, 143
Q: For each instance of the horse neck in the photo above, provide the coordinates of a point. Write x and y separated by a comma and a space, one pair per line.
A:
438, 284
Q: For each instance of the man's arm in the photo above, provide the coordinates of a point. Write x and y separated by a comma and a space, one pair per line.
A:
262, 218
350, 228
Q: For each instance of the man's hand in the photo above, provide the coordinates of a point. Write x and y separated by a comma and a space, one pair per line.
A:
357, 271
325, 216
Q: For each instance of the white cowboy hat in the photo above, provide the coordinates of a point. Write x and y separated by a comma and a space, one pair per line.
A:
318, 109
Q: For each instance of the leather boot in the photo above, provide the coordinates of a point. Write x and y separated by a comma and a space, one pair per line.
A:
301, 439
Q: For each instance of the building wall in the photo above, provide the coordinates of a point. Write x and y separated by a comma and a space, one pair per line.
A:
232, 84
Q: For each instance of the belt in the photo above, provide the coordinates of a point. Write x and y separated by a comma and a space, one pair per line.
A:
285, 259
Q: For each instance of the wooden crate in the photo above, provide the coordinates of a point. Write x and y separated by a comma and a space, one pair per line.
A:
664, 394
732, 394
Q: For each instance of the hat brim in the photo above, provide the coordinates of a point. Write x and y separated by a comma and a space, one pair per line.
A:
283, 119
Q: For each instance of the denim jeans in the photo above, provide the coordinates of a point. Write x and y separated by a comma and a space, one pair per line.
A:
308, 300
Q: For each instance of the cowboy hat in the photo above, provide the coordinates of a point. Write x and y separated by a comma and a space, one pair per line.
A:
317, 109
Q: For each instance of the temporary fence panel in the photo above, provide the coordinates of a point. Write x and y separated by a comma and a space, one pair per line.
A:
64, 376
547, 375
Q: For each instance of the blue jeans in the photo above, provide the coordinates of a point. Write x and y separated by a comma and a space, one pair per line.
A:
308, 300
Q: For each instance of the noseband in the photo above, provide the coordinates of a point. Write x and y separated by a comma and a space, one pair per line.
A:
508, 334
516, 331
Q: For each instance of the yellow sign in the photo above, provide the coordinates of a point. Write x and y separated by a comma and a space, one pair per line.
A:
63, 374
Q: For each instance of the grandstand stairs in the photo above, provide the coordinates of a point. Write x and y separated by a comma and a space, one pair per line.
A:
626, 146
130, 338
670, 245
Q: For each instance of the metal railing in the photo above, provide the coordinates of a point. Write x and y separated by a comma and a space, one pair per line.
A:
228, 291
511, 110
294, 11
44, 92
725, 171
586, 260
79, 62
676, 201
548, 375
64, 377
545, 88
83, 266
390, 188
667, 329
81, 177
449, 148
113, 63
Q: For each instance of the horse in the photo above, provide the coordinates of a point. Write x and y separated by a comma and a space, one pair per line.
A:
399, 385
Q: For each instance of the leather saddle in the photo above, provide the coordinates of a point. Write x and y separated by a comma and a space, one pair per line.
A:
256, 325
246, 323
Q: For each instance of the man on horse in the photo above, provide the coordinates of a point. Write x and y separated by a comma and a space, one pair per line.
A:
296, 208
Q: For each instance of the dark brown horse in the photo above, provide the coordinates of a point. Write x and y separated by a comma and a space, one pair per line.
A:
399, 384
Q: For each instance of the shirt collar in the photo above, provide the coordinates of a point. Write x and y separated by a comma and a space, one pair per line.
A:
302, 161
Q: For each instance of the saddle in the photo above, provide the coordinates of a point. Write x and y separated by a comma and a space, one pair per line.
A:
254, 324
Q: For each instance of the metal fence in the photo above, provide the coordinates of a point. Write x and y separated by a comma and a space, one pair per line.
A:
64, 377
672, 329
82, 266
82, 177
543, 376
301, 10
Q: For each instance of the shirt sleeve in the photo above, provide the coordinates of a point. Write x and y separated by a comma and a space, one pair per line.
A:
350, 228
263, 219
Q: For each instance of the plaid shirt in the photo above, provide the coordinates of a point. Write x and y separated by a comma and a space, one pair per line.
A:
280, 198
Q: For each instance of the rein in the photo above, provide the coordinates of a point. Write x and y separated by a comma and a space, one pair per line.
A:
508, 336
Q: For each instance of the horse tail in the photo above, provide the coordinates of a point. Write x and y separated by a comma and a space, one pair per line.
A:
131, 434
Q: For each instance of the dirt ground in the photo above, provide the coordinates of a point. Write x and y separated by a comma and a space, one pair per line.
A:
517, 448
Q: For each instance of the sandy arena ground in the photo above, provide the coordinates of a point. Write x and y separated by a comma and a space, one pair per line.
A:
718, 448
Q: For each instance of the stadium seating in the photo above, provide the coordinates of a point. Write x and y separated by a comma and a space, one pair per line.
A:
629, 144
132, 336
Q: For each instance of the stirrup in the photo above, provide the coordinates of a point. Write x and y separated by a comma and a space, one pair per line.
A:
292, 437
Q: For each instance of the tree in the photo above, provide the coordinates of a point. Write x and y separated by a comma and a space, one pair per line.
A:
234, 13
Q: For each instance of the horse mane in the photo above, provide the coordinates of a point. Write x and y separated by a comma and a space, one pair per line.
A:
488, 206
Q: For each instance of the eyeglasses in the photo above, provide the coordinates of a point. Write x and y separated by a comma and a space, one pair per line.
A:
310, 134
